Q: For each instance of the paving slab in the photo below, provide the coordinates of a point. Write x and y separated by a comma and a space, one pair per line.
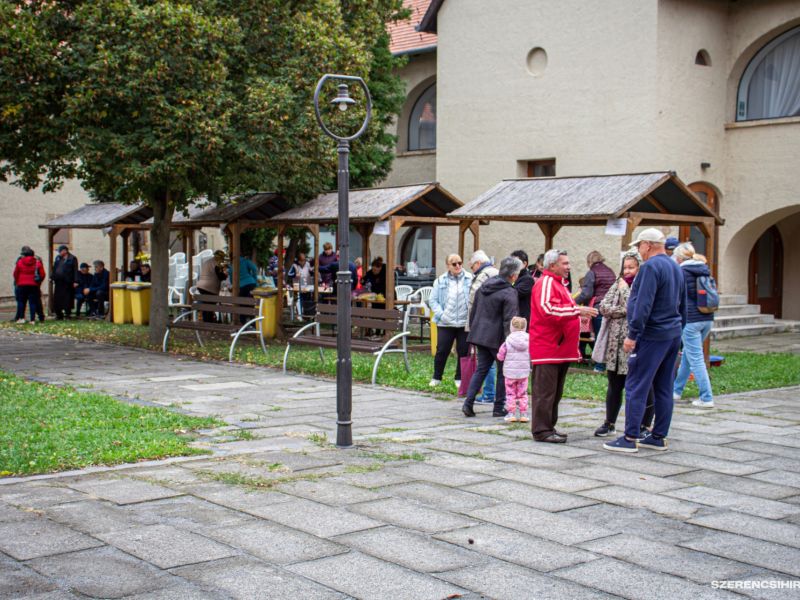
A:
24, 540
657, 503
502, 581
409, 549
17, 580
245, 578
516, 547
334, 493
740, 485
39, 496
93, 516
318, 519
780, 532
411, 515
627, 478
123, 491
88, 572
369, 578
545, 478
551, 526
634, 582
166, 546
747, 551
528, 495
752, 505
186, 512
779, 477
707, 463
439, 496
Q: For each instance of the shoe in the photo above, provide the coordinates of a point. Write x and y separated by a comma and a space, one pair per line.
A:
604, 430
21, 321
561, 435
510, 418
654, 443
458, 383
467, 410
599, 369
552, 439
702, 404
499, 413
621, 444
523, 419
644, 433
434, 382
676, 397
484, 400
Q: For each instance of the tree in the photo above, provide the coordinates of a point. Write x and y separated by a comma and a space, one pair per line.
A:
165, 101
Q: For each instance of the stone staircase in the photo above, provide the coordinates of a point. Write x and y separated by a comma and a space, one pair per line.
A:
736, 318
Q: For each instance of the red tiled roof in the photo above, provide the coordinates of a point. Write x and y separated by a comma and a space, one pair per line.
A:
404, 37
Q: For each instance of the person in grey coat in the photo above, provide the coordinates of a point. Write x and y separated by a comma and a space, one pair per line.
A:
489, 325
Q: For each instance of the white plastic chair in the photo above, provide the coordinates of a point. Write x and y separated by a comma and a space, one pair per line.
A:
402, 292
419, 304
180, 257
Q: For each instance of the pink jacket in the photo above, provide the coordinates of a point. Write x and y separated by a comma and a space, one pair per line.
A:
515, 356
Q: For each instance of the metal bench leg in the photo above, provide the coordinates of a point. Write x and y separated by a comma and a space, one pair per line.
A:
242, 329
383, 351
166, 340
286, 355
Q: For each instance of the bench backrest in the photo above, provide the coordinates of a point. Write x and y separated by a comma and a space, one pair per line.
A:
233, 305
369, 318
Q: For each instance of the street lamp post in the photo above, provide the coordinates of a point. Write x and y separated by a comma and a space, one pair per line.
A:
344, 365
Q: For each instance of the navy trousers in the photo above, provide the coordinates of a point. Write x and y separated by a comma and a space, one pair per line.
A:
650, 365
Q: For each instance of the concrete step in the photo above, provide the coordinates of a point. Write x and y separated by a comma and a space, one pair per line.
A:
723, 321
726, 310
728, 299
778, 326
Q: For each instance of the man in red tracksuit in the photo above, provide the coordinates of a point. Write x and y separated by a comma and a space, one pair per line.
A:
554, 333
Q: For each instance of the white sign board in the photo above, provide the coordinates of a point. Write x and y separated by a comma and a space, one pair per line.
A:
616, 226
381, 228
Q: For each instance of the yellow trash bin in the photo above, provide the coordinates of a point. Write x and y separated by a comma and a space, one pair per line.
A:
269, 310
140, 302
434, 335
122, 303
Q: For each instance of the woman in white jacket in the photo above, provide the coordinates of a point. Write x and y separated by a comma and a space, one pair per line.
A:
449, 302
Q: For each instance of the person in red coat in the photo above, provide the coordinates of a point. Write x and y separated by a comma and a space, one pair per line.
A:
554, 333
28, 275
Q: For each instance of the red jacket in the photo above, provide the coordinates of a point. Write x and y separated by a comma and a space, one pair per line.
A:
24, 271
555, 325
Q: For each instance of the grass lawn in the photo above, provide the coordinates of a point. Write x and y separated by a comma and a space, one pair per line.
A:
46, 428
742, 371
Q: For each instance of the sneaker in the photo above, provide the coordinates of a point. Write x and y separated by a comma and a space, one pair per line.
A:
500, 413
644, 433
458, 383
434, 382
654, 443
523, 419
21, 321
702, 404
484, 400
604, 430
467, 410
510, 418
621, 444
599, 369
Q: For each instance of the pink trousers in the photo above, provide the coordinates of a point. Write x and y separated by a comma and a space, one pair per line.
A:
517, 395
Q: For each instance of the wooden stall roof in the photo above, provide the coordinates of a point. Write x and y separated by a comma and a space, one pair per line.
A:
425, 200
100, 216
257, 207
586, 199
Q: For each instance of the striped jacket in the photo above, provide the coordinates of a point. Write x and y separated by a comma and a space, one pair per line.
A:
555, 326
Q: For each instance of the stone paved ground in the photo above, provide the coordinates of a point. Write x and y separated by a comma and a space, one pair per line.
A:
430, 505
777, 342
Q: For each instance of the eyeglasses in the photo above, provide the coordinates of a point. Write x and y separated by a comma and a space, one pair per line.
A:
457, 264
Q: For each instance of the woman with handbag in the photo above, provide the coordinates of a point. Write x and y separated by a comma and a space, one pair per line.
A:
608, 345
28, 275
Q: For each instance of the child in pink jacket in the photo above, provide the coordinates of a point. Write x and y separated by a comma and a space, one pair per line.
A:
516, 367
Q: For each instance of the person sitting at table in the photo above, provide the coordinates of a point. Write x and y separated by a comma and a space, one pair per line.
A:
146, 273
134, 270
359, 274
212, 274
300, 272
97, 293
332, 268
375, 280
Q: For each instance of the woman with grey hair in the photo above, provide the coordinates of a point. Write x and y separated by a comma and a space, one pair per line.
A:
489, 325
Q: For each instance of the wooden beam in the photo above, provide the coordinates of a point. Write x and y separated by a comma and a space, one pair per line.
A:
315, 230
462, 230
474, 227
549, 229
669, 219
125, 234
395, 223
279, 283
112, 240
236, 237
189, 236
659, 207
632, 224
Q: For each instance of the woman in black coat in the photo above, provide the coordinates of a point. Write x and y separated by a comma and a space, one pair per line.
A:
489, 323
524, 286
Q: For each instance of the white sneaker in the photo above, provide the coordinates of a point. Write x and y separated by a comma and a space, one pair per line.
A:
435, 382
676, 398
702, 404
21, 321
458, 383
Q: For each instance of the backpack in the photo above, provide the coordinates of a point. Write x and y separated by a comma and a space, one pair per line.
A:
707, 294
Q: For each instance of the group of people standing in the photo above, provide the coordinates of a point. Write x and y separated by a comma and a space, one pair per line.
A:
520, 320
72, 282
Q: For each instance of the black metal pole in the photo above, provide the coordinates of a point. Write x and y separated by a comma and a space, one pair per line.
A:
344, 367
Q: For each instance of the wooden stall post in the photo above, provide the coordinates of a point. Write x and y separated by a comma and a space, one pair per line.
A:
126, 234
395, 223
279, 283
474, 227
51, 234
189, 237
112, 240
315, 259
236, 233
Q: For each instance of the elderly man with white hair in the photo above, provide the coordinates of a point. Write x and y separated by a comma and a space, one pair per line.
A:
554, 332
482, 269
656, 316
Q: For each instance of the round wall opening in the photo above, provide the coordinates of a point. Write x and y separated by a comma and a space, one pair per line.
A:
537, 61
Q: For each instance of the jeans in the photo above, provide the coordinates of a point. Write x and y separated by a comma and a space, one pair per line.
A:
693, 361
650, 365
489, 388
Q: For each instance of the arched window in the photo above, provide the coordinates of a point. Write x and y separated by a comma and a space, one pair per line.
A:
422, 124
418, 246
770, 85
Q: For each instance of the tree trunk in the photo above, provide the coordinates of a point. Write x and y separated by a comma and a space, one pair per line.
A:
163, 210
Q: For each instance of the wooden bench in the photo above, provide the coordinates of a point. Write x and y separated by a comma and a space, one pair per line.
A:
231, 307
389, 321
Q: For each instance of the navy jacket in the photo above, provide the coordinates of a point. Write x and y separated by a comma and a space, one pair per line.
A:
100, 282
657, 304
692, 269
84, 281
333, 267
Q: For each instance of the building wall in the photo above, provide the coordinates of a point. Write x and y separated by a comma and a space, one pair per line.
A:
23, 212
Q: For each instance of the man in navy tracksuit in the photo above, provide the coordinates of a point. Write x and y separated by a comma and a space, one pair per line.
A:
656, 317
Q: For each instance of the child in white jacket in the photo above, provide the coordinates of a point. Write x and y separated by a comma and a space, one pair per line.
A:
516, 367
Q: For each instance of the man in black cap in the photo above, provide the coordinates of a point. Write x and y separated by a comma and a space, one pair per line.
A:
82, 291
65, 281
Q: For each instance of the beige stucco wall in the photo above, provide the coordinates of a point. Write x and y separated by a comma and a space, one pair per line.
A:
22, 212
